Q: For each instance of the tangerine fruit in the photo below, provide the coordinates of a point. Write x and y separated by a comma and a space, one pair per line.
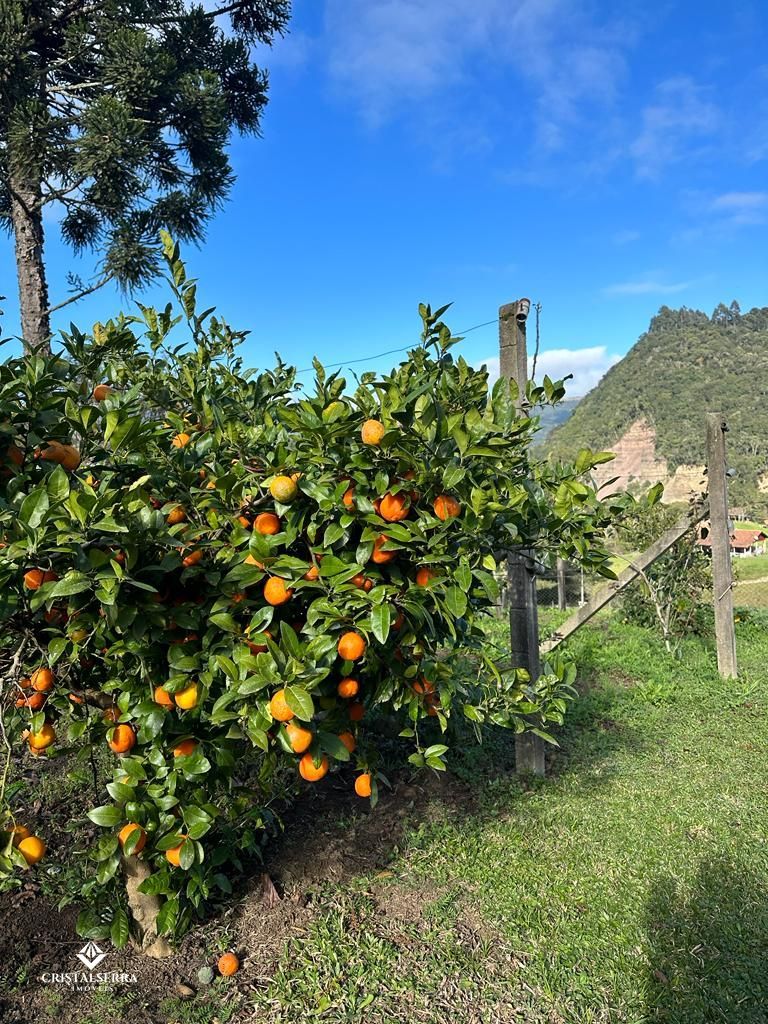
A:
348, 688
40, 740
349, 741
351, 646
123, 739
394, 507
299, 737
311, 771
181, 440
283, 489
446, 507
185, 748
372, 432
363, 784
173, 855
276, 592
126, 831
161, 696
187, 698
279, 709
382, 557
32, 849
267, 523
228, 965
176, 515
101, 392
42, 680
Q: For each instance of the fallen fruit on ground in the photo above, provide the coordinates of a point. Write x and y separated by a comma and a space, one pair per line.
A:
228, 965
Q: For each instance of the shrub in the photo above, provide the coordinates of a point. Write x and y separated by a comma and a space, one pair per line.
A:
217, 557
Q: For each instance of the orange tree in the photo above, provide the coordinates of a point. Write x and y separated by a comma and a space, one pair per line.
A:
217, 580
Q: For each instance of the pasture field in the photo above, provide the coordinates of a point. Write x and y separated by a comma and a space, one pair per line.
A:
628, 887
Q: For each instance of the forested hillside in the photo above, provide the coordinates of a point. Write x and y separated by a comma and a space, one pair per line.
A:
686, 364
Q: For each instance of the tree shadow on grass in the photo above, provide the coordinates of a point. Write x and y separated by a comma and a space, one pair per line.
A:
709, 947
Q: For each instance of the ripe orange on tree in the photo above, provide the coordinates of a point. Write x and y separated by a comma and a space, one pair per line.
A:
127, 830
382, 557
14, 455
267, 523
65, 455
425, 575
279, 709
42, 739
372, 432
394, 507
312, 573
228, 965
181, 440
446, 507
348, 688
187, 698
161, 696
123, 739
193, 558
32, 849
101, 392
276, 592
111, 715
299, 738
349, 741
363, 784
35, 578
310, 771
185, 748
348, 497
351, 646
173, 855
33, 701
356, 711
42, 680
176, 515
20, 832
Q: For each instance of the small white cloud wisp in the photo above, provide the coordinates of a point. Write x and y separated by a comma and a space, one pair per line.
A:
587, 365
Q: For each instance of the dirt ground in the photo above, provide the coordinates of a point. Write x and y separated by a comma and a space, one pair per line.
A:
347, 841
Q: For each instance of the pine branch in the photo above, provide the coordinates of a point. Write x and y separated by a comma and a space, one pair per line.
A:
81, 295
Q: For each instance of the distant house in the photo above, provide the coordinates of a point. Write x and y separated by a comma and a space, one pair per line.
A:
743, 542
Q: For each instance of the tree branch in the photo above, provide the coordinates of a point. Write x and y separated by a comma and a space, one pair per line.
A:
81, 295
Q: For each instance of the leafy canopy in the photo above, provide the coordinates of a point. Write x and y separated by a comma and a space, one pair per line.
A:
160, 574
120, 111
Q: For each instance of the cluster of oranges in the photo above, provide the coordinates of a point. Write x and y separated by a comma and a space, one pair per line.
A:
394, 506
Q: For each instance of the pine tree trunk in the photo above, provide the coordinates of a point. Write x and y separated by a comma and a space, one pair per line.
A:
27, 220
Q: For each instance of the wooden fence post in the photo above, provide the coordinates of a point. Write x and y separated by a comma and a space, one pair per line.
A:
562, 597
521, 579
720, 533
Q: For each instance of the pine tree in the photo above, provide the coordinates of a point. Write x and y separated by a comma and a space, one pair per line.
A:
118, 112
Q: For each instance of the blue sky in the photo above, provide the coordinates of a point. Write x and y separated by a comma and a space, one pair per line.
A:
601, 158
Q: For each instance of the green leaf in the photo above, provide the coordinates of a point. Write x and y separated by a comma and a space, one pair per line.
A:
34, 508
381, 620
456, 600
108, 815
331, 744
300, 702
166, 919
119, 930
225, 621
73, 583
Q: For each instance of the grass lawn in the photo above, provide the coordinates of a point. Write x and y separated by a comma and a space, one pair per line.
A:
628, 887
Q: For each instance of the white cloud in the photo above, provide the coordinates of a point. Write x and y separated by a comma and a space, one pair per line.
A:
402, 53
680, 116
587, 365
646, 285
742, 207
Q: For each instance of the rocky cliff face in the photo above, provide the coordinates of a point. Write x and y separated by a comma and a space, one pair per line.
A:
638, 464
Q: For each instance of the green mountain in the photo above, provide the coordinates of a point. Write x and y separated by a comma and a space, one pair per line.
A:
686, 364
551, 416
